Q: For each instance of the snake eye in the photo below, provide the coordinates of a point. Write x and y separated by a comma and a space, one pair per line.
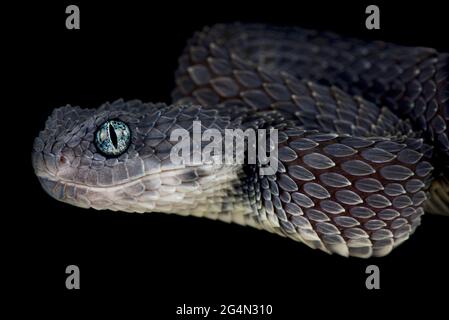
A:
112, 138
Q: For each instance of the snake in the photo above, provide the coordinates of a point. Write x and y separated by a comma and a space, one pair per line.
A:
362, 139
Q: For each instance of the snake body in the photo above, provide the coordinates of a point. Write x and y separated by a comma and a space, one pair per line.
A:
362, 139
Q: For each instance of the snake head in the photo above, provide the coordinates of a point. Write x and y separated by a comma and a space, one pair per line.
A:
82, 154
117, 157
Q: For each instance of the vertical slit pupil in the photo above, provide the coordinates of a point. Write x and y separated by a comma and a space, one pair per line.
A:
113, 135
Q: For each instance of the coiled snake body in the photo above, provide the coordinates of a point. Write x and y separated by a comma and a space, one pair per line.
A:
362, 132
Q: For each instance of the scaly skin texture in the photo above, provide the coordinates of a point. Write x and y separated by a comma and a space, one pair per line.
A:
360, 128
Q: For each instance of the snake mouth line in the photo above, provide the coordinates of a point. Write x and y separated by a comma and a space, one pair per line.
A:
91, 187
53, 178
44, 174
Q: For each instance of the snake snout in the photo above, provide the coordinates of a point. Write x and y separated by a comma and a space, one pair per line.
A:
53, 153
48, 167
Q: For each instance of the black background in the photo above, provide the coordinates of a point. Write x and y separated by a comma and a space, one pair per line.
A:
153, 263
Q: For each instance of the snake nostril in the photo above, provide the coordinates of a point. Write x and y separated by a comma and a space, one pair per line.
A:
62, 159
